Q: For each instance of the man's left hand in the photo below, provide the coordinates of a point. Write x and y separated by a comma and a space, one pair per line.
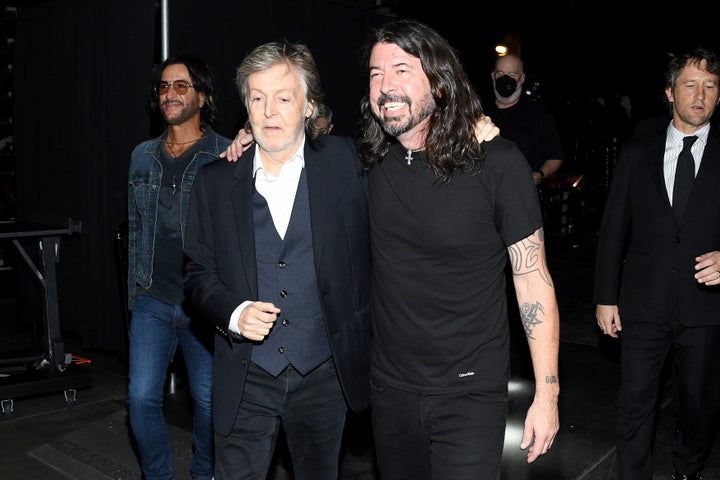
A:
708, 268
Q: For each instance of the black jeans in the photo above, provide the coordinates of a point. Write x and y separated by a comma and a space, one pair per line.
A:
312, 410
456, 436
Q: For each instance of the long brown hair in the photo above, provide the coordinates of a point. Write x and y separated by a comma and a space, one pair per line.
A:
451, 141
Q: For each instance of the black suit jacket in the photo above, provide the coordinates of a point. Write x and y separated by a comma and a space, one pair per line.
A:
221, 272
645, 259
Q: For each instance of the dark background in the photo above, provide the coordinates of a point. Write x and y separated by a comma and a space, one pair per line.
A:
81, 93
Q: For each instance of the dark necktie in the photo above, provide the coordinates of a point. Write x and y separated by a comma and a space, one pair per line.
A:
684, 177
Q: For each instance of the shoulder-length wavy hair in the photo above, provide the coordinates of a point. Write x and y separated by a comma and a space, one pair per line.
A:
451, 141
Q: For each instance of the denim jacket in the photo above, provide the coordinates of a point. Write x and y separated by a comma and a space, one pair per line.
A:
144, 180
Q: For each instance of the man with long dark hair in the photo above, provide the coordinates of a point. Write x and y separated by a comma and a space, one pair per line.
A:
446, 215
160, 181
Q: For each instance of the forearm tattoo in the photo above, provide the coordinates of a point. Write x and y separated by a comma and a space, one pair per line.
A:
529, 316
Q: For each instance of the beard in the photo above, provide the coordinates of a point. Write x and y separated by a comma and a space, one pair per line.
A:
396, 126
188, 111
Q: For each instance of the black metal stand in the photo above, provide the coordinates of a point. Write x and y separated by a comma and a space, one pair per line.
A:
53, 370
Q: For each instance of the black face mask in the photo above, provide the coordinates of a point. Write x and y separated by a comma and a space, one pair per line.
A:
505, 86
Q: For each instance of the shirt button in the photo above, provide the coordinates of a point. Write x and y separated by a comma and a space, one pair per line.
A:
283, 293
676, 239
281, 350
285, 322
281, 264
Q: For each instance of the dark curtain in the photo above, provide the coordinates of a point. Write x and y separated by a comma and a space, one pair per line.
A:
81, 84
224, 31
82, 103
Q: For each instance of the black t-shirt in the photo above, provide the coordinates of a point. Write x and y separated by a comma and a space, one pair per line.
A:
169, 259
439, 257
532, 126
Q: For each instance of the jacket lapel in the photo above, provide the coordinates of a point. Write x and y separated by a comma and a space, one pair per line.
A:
241, 198
317, 195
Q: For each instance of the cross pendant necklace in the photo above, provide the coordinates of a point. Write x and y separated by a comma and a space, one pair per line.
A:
408, 157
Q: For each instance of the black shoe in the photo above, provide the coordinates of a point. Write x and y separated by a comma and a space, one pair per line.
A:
678, 476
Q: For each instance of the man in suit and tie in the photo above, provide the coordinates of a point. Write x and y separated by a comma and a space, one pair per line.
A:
280, 260
657, 278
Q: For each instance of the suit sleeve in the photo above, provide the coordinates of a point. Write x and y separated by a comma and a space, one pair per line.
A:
613, 234
203, 283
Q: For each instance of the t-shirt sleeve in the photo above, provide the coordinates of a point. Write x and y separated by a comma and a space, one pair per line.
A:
518, 211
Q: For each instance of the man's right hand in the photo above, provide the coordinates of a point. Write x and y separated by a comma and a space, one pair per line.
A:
485, 129
243, 140
257, 319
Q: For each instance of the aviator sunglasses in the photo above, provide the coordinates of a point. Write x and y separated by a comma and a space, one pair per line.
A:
180, 86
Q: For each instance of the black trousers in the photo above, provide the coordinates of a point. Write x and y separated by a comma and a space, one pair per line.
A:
695, 385
455, 436
312, 410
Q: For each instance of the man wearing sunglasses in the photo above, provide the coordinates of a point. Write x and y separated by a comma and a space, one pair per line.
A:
160, 181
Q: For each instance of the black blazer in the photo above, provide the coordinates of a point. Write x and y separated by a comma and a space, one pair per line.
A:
645, 259
221, 272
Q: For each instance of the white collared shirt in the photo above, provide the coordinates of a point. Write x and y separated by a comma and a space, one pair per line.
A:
673, 147
279, 192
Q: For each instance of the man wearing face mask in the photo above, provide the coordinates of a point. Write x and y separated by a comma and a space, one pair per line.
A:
526, 122
531, 126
